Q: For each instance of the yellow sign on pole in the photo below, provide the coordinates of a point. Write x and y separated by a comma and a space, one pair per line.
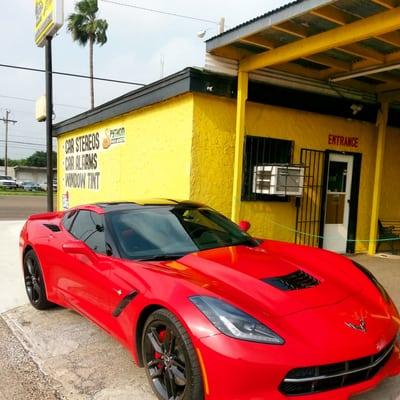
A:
49, 19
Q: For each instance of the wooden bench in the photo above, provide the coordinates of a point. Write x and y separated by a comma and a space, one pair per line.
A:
389, 232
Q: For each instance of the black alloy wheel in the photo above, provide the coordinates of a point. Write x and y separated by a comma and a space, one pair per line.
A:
34, 283
169, 358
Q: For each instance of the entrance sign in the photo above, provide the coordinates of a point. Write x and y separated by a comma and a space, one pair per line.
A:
49, 16
347, 141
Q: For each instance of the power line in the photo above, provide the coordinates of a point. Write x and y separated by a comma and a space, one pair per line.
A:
22, 147
161, 12
24, 143
24, 137
71, 75
34, 101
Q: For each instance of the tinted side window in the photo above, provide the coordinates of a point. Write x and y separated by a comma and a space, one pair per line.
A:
68, 219
89, 227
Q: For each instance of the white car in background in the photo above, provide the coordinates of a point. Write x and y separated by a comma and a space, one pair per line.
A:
7, 182
43, 186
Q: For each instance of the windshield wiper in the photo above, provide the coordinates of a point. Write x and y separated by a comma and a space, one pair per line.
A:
161, 257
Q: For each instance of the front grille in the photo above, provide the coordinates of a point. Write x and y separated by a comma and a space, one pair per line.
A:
333, 376
295, 281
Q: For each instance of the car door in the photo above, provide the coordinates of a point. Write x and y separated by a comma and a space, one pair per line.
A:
86, 267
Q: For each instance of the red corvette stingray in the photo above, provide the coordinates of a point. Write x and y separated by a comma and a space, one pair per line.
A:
210, 312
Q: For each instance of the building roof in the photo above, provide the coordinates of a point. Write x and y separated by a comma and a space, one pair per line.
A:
155, 92
29, 168
202, 81
270, 18
301, 20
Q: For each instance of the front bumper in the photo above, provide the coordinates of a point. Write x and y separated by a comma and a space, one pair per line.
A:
237, 370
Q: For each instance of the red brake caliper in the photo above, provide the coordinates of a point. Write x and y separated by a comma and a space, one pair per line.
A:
157, 355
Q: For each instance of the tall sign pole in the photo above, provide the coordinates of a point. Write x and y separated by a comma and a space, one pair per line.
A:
49, 19
49, 124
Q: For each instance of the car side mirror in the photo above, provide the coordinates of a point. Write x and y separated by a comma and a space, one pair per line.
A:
244, 226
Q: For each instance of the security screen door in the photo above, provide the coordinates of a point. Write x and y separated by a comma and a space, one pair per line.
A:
337, 207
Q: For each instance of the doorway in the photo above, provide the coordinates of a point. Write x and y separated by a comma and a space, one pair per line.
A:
339, 181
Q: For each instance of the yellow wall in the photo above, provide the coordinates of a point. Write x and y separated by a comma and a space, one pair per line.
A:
183, 148
153, 162
212, 161
390, 203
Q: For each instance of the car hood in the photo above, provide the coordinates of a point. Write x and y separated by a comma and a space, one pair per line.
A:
252, 276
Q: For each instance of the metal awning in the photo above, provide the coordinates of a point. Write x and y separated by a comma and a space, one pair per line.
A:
354, 43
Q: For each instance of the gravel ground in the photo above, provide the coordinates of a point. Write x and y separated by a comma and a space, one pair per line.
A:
20, 377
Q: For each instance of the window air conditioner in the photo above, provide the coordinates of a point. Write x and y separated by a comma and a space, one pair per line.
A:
278, 180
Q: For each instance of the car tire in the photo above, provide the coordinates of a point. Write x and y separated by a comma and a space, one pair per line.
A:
34, 282
169, 358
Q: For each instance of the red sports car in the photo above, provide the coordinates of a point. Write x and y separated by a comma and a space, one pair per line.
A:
209, 311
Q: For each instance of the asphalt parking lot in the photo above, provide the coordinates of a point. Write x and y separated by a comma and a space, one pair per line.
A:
58, 354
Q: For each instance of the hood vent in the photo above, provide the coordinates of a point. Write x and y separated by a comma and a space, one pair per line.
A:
295, 281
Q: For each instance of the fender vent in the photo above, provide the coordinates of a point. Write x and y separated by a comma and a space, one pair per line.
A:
52, 227
295, 281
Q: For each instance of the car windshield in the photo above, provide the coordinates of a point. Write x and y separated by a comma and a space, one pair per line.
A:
172, 232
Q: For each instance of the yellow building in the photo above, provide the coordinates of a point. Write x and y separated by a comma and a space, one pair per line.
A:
302, 158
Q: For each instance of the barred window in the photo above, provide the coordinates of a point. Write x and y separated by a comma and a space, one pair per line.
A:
262, 151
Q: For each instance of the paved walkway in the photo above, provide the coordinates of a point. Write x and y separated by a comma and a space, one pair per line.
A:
12, 289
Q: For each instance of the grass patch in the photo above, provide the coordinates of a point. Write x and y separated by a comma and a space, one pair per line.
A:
19, 192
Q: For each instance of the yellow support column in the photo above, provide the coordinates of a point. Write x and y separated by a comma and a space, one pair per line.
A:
376, 198
242, 93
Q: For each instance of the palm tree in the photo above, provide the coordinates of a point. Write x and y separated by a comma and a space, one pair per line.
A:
84, 28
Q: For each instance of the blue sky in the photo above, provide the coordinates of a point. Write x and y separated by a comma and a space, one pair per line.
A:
137, 42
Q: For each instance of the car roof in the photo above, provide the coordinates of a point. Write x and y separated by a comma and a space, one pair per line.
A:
106, 207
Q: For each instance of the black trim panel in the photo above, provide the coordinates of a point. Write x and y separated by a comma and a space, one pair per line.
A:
124, 303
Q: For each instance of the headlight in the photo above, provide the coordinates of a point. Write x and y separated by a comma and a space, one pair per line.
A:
234, 322
374, 281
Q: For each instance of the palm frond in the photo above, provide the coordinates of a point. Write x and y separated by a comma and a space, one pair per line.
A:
83, 23
101, 26
87, 7
77, 26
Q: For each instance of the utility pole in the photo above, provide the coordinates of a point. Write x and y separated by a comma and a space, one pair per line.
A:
6, 121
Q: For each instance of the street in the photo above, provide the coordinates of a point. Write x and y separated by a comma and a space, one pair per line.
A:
14, 207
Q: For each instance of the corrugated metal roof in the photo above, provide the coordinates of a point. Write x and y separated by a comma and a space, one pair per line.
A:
301, 19
255, 19
280, 14
359, 8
